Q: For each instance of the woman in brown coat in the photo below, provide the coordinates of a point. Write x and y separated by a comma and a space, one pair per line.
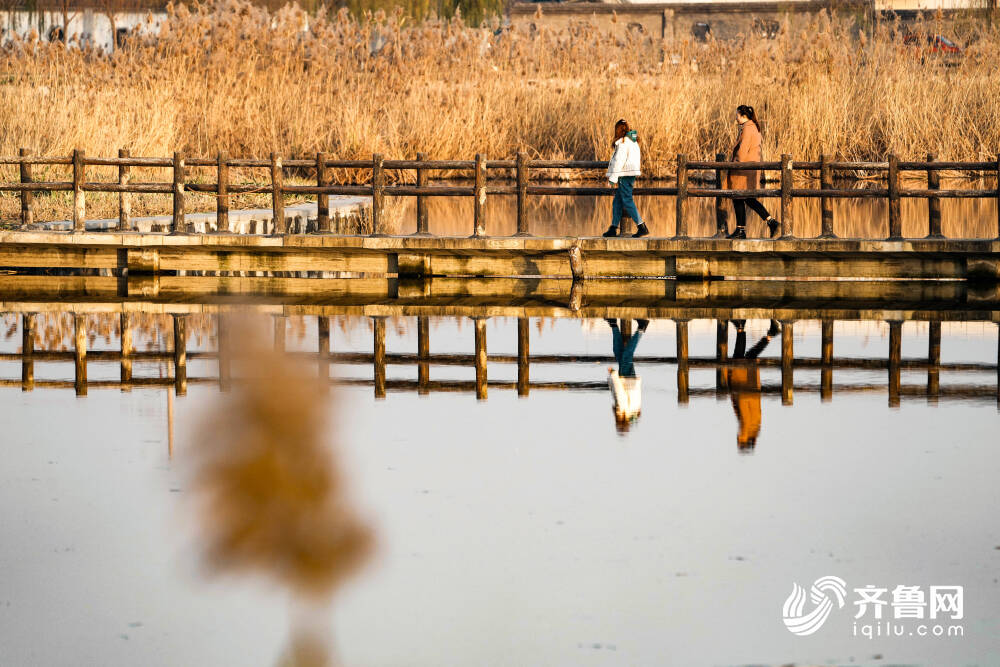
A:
747, 149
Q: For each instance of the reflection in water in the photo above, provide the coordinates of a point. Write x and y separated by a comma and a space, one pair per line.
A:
625, 383
742, 377
269, 496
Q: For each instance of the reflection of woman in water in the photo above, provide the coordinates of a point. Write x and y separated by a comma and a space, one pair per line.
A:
626, 386
743, 378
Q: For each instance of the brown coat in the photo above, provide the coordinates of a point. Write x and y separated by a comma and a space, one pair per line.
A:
744, 385
747, 149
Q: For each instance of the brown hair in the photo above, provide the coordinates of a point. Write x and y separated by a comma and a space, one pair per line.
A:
746, 110
623, 125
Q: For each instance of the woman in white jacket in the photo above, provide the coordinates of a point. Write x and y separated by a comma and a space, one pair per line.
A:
622, 170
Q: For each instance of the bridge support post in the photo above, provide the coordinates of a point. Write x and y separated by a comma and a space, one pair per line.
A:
826, 374
423, 352
422, 221
522, 195
895, 357
79, 198
278, 226
27, 351
895, 219
787, 222
222, 190
523, 356
80, 353
934, 362
721, 215
680, 225
279, 333
322, 199
27, 197
826, 203
481, 386
124, 198
933, 203
125, 341
682, 362
787, 362
180, 354
479, 198
378, 358
177, 222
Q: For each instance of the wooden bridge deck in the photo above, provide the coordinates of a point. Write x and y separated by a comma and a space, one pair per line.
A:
706, 258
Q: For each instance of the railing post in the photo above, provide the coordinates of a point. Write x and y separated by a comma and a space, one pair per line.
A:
378, 357
523, 356
79, 198
322, 199
998, 195
125, 340
933, 203
277, 196
522, 195
27, 210
787, 362
680, 225
787, 223
27, 351
222, 190
933, 362
721, 357
682, 362
480, 358
378, 193
826, 203
124, 198
721, 216
479, 194
895, 222
422, 223
895, 356
423, 352
177, 224
80, 353
826, 374
180, 354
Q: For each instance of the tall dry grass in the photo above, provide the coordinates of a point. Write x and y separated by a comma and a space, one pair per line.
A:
228, 75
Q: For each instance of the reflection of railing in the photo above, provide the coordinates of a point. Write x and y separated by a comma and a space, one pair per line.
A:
379, 359
379, 189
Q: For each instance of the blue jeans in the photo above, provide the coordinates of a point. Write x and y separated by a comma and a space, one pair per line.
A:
624, 350
623, 202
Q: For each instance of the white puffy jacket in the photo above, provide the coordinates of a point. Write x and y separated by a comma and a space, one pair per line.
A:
625, 160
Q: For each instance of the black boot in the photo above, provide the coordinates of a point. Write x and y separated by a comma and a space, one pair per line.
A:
774, 329
773, 226
641, 230
738, 233
612, 232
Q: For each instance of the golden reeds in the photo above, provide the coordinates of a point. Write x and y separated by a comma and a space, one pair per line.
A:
228, 75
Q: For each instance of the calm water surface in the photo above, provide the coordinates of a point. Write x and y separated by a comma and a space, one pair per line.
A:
520, 530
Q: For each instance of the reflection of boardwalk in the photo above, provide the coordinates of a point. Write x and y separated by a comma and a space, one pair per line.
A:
176, 359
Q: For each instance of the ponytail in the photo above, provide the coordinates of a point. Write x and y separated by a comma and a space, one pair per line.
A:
623, 124
746, 110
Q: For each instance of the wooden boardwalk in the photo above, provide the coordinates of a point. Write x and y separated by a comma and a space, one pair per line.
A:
680, 256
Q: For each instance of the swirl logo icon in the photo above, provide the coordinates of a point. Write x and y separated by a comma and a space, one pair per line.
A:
822, 594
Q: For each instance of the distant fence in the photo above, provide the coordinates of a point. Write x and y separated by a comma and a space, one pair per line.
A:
378, 189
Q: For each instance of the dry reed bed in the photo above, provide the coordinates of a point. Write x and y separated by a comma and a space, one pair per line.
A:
227, 75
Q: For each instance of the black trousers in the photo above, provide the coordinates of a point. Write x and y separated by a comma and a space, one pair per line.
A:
740, 208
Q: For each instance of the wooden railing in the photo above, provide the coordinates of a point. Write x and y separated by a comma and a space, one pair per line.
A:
378, 188
177, 358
